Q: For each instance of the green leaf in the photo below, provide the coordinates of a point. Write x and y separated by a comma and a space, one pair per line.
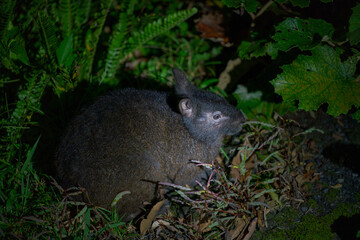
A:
251, 5
305, 34
64, 52
6, 12
137, 39
49, 36
354, 26
300, 3
117, 42
356, 116
320, 78
255, 108
17, 51
66, 16
92, 39
233, 3
248, 50
29, 158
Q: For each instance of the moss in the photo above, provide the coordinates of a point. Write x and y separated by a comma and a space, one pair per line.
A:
332, 195
357, 197
315, 227
310, 227
312, 204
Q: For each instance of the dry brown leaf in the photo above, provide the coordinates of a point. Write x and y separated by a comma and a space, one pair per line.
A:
259, 216
240, 225
249, 165
204, 227
300, 180
336, 186
337, 136
294, 154
146, 223
220, 161
159, 223
210, 27
309, 167
251, 229
312, 145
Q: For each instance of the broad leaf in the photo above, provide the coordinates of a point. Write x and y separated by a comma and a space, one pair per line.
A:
300, 3
250, 5
255, 108
320, 78
354, 26
248, 50
64, 53
356, 115
305, 34
233, 3
18, 51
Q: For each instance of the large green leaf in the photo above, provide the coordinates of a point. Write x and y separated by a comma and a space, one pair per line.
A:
18, 51
356, 115
64, 53
254, 107
302, 33
354, 26
250, 5
248, 50
300, 3
320, 78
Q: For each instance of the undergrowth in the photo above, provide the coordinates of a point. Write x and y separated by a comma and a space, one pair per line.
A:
264, 172
53, 47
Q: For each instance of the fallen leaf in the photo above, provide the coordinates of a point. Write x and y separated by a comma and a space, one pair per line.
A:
159, 223
300, 180
204, 227
249, 165
251, 229
337, 136
240, 225
210, 27
336, 186
146, 223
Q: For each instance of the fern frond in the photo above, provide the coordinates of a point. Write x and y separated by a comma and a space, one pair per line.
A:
26, 106
67, 9
49, 36
6, 11
18, 51
117, 41
139, 38
83, 15
158, 27
92, 39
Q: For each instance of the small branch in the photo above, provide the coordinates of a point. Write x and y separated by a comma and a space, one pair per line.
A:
263, 9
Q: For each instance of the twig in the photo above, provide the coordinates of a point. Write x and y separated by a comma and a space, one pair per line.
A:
263, 9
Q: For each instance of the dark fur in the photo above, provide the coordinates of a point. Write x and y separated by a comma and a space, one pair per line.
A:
129, 135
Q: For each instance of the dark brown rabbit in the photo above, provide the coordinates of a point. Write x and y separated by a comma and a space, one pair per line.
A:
130, 135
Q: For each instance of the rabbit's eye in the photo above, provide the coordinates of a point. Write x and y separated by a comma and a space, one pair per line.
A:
216, 116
